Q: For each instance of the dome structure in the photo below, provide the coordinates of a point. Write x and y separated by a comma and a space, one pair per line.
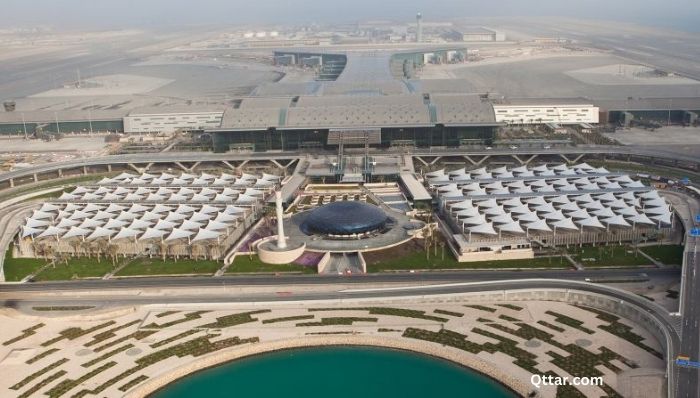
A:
344, 218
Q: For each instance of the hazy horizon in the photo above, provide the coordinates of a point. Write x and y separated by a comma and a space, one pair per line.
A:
62, 14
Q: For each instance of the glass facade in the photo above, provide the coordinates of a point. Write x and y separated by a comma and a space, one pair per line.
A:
300, 139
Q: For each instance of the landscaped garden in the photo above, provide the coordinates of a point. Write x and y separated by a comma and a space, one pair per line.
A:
608, 256
73, 268
17, 269
156, 266
667, 254
245, 263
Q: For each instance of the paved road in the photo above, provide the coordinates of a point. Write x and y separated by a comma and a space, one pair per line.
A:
281, 280
688, 378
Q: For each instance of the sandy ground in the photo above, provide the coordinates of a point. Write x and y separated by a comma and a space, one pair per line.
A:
109, 85
82, 144
672, 135
626, 74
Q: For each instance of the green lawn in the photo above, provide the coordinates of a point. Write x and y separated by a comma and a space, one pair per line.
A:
667, 254
417, 261
244, 263
156, 266
81, 267
608, 256
17, 269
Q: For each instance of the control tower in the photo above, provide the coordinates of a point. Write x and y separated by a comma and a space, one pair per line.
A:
419, 28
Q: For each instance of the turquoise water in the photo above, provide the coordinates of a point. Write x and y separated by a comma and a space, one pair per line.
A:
336, 372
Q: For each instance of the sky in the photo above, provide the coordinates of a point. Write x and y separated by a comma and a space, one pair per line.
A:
109, 14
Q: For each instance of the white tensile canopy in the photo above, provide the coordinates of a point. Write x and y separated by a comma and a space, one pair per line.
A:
124, 176
165, 225
220, 181
499, 170
111, 197
200, 181
179, 181
483, 176
494, 211
566, 223
234, 210
483, 229
75, 232
515, 184
30, 231
161, 208
138, 181
143, 191
49, 207
102, 215
502, 219
121, 190
90, 223
664, 218
487, 203
536, 201
521, 209
557, 215
100, 232
604, 213
52, 232
149, 216
230, 192
539, 225
591, 222
479, 171
465, 204
178, 234
457, 173
205, 234
79, 215
512, 227
447, 188
437, 173
152, 233
81, 190
583, 198
155, 198
199, 198
523, 190
612, 185
132, 197
185, 209
579, 214
640, 219
626, 211
655, 210
476, 220
470, 212
537, 183
197, 217
654, 203
494, 185
42, 215
519, 169
159, 181
545, 208
567, 172
209, 209
583, 166
114, 224
186, 191
222, 198
582, 181
137, 208
547, 173
571, 206
190, 225
68, 196
561, 199
547, 188
106, 181
174, 217
512, 202
187, 176
140, 224
540, 168
64, 223
590, 187
616, 221
606, 197
34, 223
618, 204
568, 188
126, 216
527, 217
592, 205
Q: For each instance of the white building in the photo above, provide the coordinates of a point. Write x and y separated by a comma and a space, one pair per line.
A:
151, 122
546, 113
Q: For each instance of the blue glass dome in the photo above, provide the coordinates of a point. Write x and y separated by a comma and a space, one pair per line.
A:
344, 218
